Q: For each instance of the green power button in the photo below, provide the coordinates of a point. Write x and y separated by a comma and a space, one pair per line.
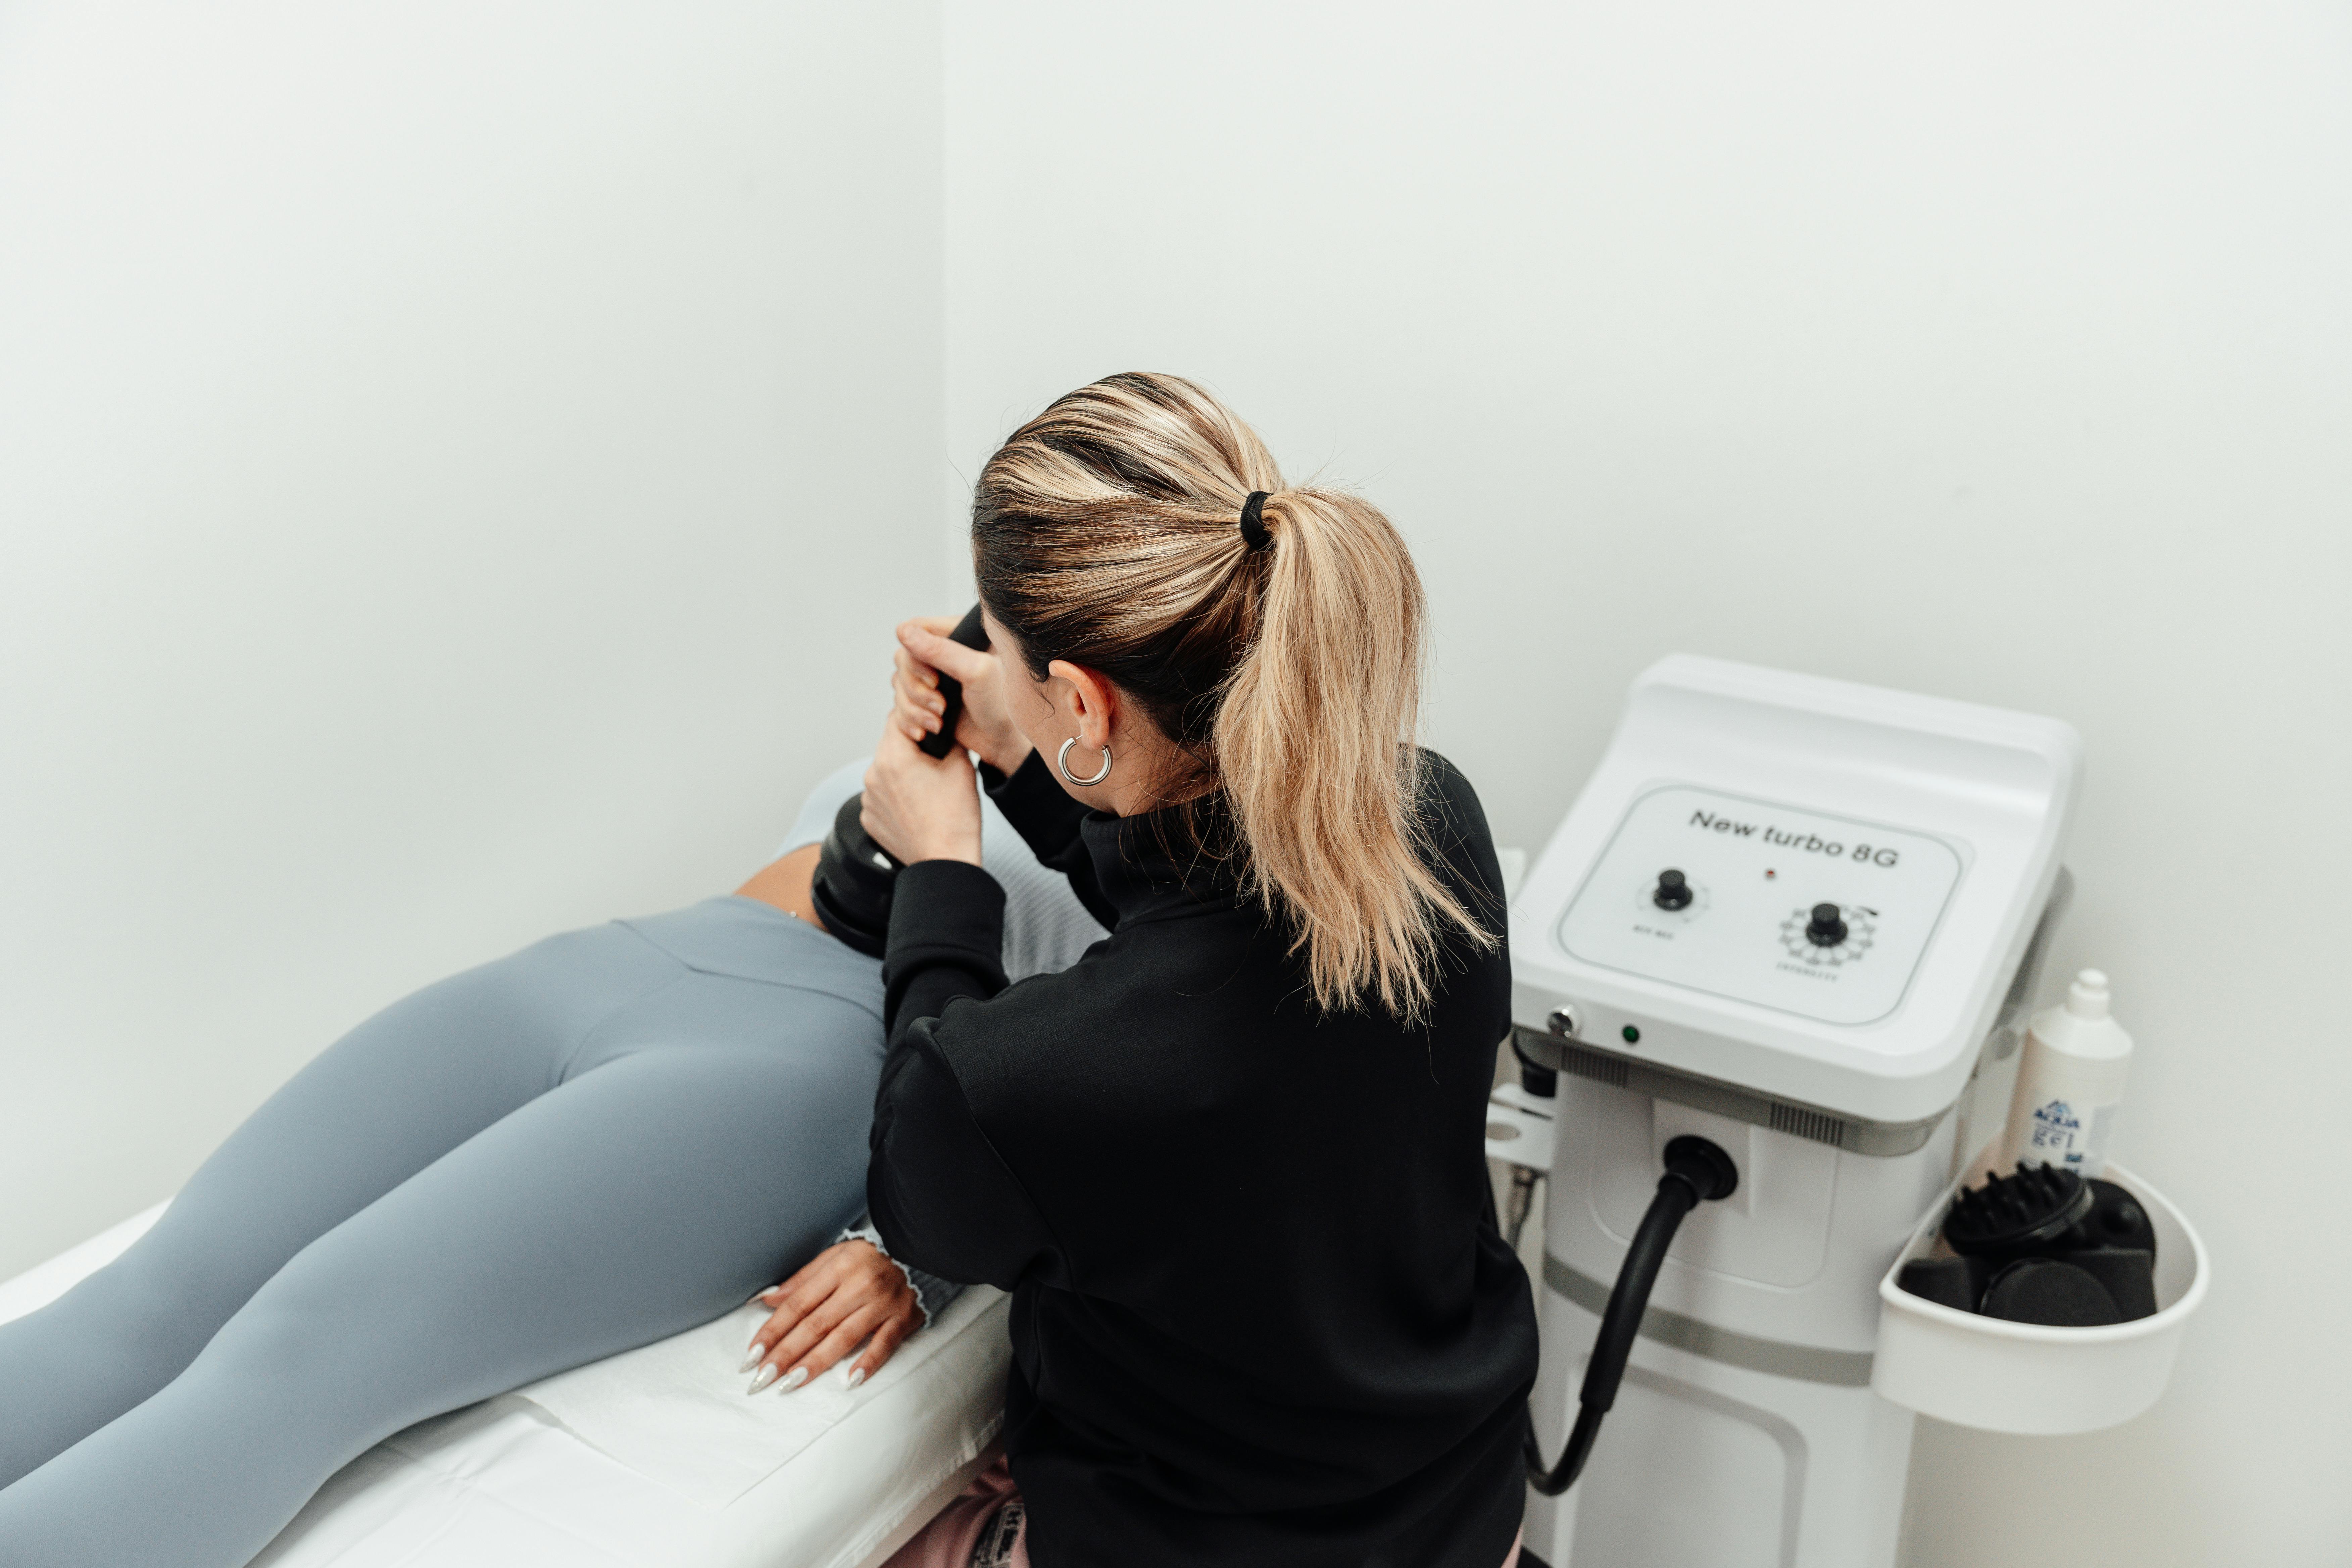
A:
1632, 1036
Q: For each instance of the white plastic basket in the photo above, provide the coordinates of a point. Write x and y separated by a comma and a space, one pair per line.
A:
2026, 1377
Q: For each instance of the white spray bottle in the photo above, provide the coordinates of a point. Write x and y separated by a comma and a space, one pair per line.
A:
2070, 1083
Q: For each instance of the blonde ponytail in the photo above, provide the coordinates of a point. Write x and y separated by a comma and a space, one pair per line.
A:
1312, 745
1287, 672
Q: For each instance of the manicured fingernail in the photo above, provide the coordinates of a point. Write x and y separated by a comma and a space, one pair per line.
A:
800, 1376
759, 1354
857, 1376
767, 1375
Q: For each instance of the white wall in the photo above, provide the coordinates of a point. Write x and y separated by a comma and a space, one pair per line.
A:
1999, 351
458, 469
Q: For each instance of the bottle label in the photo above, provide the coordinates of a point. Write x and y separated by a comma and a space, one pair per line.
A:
2055, 1135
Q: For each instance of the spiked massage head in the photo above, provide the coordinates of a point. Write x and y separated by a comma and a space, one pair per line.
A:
2030, 1211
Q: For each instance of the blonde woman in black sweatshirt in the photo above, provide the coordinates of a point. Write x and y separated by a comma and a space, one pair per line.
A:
1230, 1165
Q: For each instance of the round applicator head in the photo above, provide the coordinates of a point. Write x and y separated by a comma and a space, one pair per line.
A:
852, 883
2044, 1291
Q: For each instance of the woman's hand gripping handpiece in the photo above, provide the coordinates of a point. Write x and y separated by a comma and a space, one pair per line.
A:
985, 726
850, 1294
923, 808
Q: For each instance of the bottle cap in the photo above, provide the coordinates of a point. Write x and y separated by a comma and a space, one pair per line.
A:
2087, 997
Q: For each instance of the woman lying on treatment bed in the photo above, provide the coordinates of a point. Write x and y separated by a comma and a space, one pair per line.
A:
604, 1140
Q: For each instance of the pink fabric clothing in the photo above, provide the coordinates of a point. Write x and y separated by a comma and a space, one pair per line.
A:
969, 1532
962, 1530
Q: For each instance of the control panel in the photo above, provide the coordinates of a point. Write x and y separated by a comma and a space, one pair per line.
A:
1823, 916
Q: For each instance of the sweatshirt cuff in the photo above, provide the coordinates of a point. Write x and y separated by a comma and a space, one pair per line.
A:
932, 1294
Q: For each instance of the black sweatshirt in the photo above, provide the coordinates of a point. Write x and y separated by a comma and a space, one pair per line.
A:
1260, 1313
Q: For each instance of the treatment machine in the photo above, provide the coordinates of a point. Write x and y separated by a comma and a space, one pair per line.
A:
1759, 963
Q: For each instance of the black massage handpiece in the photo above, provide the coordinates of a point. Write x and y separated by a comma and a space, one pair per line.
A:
973, 635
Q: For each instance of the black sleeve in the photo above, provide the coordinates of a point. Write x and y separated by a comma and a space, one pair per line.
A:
939, 1194
1048, 819
935, 1190
946, 940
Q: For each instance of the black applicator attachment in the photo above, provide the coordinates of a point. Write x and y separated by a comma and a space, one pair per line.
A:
970, 632
2043, 1246
2014, 1215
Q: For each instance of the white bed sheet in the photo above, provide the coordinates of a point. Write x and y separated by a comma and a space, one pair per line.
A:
655, 1459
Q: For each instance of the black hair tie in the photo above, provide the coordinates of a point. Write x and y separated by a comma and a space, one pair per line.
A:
1254, 532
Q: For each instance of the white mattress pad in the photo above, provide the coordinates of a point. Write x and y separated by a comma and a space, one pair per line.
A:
654, 1459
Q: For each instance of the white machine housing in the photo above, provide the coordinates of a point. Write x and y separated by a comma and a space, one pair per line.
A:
1941, 821
1746, 1432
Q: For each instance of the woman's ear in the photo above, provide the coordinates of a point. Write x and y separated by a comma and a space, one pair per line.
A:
1094, 702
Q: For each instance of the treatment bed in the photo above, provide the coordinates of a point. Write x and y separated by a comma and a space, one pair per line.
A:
651, 1459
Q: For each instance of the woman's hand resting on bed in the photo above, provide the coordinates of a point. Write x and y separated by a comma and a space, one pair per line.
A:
850, 1294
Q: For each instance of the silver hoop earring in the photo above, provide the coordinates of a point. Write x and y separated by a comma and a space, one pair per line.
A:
1063, 762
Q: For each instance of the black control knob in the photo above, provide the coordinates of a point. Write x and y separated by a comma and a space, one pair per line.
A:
1673, 891
1827, 928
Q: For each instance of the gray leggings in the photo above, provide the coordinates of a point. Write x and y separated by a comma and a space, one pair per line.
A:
602, 1140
